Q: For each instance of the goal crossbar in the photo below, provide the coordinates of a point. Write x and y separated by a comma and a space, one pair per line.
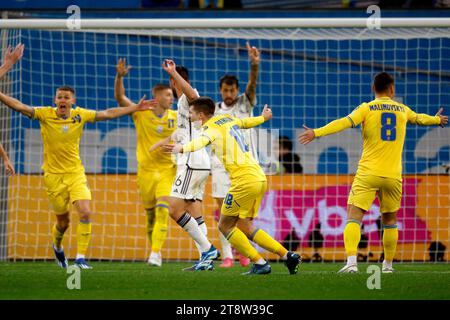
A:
224, 23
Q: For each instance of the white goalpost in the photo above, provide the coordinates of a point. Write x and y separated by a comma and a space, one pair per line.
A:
312, 71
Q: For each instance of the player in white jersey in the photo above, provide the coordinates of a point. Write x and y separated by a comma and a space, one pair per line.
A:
239, 106
192, 169
185, 206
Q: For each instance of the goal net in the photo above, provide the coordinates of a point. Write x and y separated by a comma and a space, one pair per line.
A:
308, 75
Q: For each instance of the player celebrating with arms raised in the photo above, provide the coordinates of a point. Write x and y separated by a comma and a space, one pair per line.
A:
64, 176
156, 170
383, 123
248, 182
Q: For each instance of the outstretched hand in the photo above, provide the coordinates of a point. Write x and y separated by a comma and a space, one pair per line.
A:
169, 66
12, 56
9, 168
306, 136
444, 119
253, 53
146, 104
160, 143
122, 68
173, 148
267, 113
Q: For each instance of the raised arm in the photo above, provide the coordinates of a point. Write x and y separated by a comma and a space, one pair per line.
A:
352, 120
170, 67
113, 113
16, 105
119, 89
423, 119
254, 56
8, 165
333, 127
251, 122
10, 58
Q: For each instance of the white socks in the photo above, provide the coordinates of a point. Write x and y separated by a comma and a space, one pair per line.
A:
191, 227
351, 260
226, 247
202, 226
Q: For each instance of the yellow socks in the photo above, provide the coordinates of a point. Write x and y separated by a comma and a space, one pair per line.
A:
57, 236
241, 243
160, 226
83, 236
352, 236
390, 238
149, 224
264, 240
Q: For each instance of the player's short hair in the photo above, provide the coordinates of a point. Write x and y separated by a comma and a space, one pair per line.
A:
183, 72
204, 104
382, 81
160, 87
285, 143
66, 88
230, 80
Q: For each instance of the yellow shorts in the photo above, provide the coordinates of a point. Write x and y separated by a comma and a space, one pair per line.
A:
366, 187
243, 201
65, 188
154, 184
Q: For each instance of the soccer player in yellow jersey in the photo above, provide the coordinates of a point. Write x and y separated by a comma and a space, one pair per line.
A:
64, 177
156, 169
383, 123
248, 182
239, 106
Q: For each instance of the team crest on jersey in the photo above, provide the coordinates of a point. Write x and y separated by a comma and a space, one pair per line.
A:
159, 129
77, 118
65, 128
228, 201
171, 123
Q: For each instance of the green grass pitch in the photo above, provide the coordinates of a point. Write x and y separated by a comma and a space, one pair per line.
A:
136, 281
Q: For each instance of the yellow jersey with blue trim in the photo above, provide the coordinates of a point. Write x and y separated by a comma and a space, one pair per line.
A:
224, 134
383, 125
61, 138
151, 128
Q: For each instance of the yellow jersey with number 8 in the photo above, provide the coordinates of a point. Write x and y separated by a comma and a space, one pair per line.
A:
383, 124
